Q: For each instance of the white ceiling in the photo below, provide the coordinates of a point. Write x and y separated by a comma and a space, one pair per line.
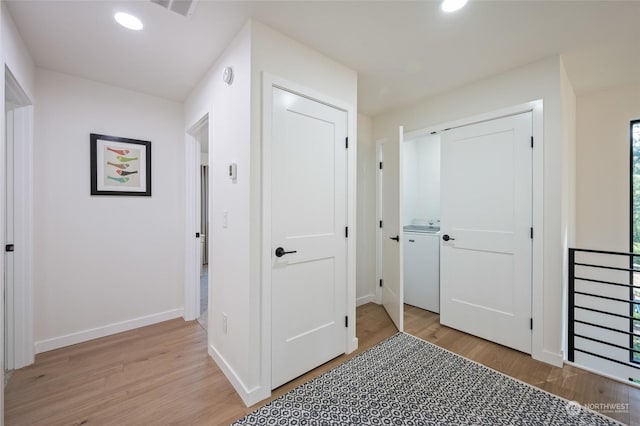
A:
402, 51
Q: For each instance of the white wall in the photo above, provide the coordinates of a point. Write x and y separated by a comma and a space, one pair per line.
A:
366, 235
602, 215
16, 56
229, 248
235, 268
602, 167
568, 100
568, 187
103, 263
409, 182
287, 59
429, 178
421, 181
540, 80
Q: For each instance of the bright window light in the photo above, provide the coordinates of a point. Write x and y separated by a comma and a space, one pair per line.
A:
453, 5
128, 21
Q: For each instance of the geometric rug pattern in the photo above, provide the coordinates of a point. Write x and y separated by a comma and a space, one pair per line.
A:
408, 381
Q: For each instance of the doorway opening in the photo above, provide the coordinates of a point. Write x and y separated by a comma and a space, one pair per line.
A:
421, 222
18, 348
482, 221
475, 271
203, 319
197, 223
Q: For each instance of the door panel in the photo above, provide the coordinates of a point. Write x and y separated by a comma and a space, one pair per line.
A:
309, 287
9, 265
392, 291
486, 180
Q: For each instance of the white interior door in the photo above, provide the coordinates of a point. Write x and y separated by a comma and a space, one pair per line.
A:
9, 268
192, 227
391, 174
309, 218
486, 178
17, 197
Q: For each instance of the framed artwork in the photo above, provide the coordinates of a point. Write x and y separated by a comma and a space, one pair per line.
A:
120, 166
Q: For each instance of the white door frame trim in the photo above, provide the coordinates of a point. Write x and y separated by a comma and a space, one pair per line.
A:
24, 348
192, 219
270, 81
537, 292
379, 232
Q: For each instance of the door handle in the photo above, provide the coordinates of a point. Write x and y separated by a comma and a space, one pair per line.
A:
280, 252
445, 237
396, 238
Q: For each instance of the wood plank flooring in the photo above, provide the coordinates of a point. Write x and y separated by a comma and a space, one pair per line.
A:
162, 374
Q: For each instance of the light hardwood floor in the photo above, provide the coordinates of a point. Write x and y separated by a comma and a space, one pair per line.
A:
162, 374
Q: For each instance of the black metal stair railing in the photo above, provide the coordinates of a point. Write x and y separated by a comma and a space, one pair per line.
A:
581, 301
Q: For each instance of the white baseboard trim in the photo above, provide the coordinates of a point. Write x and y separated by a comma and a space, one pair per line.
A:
353, 345
365, 299
600, 373
107, 330
248, 396
552, 358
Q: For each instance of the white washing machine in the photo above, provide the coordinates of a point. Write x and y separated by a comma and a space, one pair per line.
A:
422, 268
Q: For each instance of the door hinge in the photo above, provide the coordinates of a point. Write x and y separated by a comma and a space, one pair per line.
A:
197, 235
346, 142
346, 321
381, 282
380, 224
531, 141
530, 323
531, 230
9, 247
346, 232
381, 165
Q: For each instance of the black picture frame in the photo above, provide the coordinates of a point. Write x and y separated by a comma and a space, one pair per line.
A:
120, 166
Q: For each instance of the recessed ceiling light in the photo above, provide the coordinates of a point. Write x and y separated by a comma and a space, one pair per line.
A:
128, 21
453, 5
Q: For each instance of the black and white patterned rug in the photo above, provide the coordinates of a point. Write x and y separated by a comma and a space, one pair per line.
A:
407, 381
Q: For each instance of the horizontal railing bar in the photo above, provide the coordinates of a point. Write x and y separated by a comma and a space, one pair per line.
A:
633, 302
628, 364
608, 343
612, 268
600, 263
605, 312
605, 252
607, 282
628, 333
